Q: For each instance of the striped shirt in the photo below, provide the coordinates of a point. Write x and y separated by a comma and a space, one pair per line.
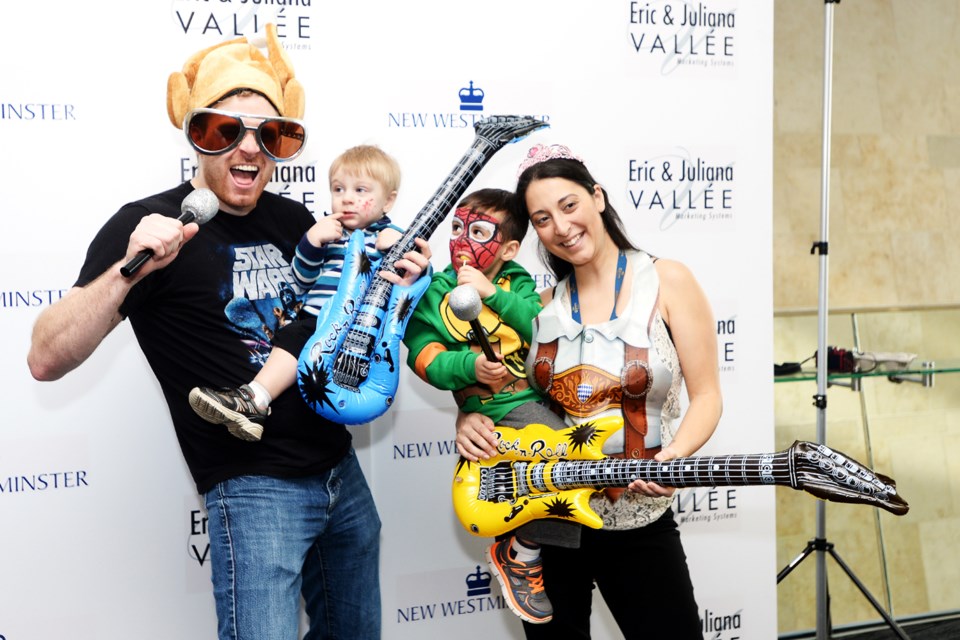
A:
318, 270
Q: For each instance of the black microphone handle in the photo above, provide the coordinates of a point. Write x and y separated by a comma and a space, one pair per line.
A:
482, 340
137, 261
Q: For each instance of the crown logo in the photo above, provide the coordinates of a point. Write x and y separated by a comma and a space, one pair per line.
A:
471, 99
478, 583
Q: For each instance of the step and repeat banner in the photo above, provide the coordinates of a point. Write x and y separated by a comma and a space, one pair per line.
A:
670, 104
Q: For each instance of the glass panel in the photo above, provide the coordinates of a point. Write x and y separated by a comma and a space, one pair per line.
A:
913, 434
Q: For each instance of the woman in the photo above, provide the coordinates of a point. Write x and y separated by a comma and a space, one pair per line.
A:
617, 336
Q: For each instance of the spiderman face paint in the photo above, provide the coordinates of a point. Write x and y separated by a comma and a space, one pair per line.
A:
474, 239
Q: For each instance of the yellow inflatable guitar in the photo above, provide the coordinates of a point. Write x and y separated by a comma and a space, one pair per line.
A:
542, 473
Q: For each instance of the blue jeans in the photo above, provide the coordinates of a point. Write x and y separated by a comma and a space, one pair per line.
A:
274, 539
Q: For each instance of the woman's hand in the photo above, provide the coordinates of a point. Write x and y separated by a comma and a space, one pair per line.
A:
653, 489
475, 438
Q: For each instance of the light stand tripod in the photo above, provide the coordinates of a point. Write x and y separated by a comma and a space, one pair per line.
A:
820, 544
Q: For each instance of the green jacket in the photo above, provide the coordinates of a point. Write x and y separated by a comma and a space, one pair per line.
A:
440, 350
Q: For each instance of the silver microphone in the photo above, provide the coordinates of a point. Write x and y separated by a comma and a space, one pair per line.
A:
465, 304
199, 206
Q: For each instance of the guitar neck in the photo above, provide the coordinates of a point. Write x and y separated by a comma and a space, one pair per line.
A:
698, 471
445, 198
426, 222
492, 134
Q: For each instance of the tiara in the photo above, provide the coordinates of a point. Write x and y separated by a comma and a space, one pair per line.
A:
541, 153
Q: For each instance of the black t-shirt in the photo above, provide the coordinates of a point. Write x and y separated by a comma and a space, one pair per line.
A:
208, 318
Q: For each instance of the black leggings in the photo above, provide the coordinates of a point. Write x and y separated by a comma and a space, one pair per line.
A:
641, 573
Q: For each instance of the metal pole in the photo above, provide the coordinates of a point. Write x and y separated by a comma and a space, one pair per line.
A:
820, 400
820, 544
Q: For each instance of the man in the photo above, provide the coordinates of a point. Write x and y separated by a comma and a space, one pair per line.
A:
291, 515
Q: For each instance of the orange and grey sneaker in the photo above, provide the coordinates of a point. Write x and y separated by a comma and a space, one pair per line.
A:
522, 583
232, 407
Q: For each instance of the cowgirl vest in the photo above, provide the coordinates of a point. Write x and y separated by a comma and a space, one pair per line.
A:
627, 367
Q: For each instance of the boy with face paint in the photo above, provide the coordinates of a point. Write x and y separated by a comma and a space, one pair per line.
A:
485, 237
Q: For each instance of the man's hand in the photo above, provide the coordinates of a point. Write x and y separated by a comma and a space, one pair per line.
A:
414, 263
163, 236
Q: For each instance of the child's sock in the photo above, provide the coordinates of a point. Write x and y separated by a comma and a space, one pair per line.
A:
524, 551
261, 397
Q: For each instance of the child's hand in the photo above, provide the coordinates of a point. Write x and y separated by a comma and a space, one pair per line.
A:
387, 238
326, 229
488, 372
475, 278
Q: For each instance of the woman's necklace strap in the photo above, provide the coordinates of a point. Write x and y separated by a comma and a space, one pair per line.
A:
618, 284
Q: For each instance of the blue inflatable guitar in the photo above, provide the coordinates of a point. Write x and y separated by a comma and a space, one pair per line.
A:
349, 370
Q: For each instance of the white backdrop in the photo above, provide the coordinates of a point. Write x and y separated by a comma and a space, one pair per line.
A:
670, 103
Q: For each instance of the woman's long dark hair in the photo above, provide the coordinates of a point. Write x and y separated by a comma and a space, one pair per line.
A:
573, 171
